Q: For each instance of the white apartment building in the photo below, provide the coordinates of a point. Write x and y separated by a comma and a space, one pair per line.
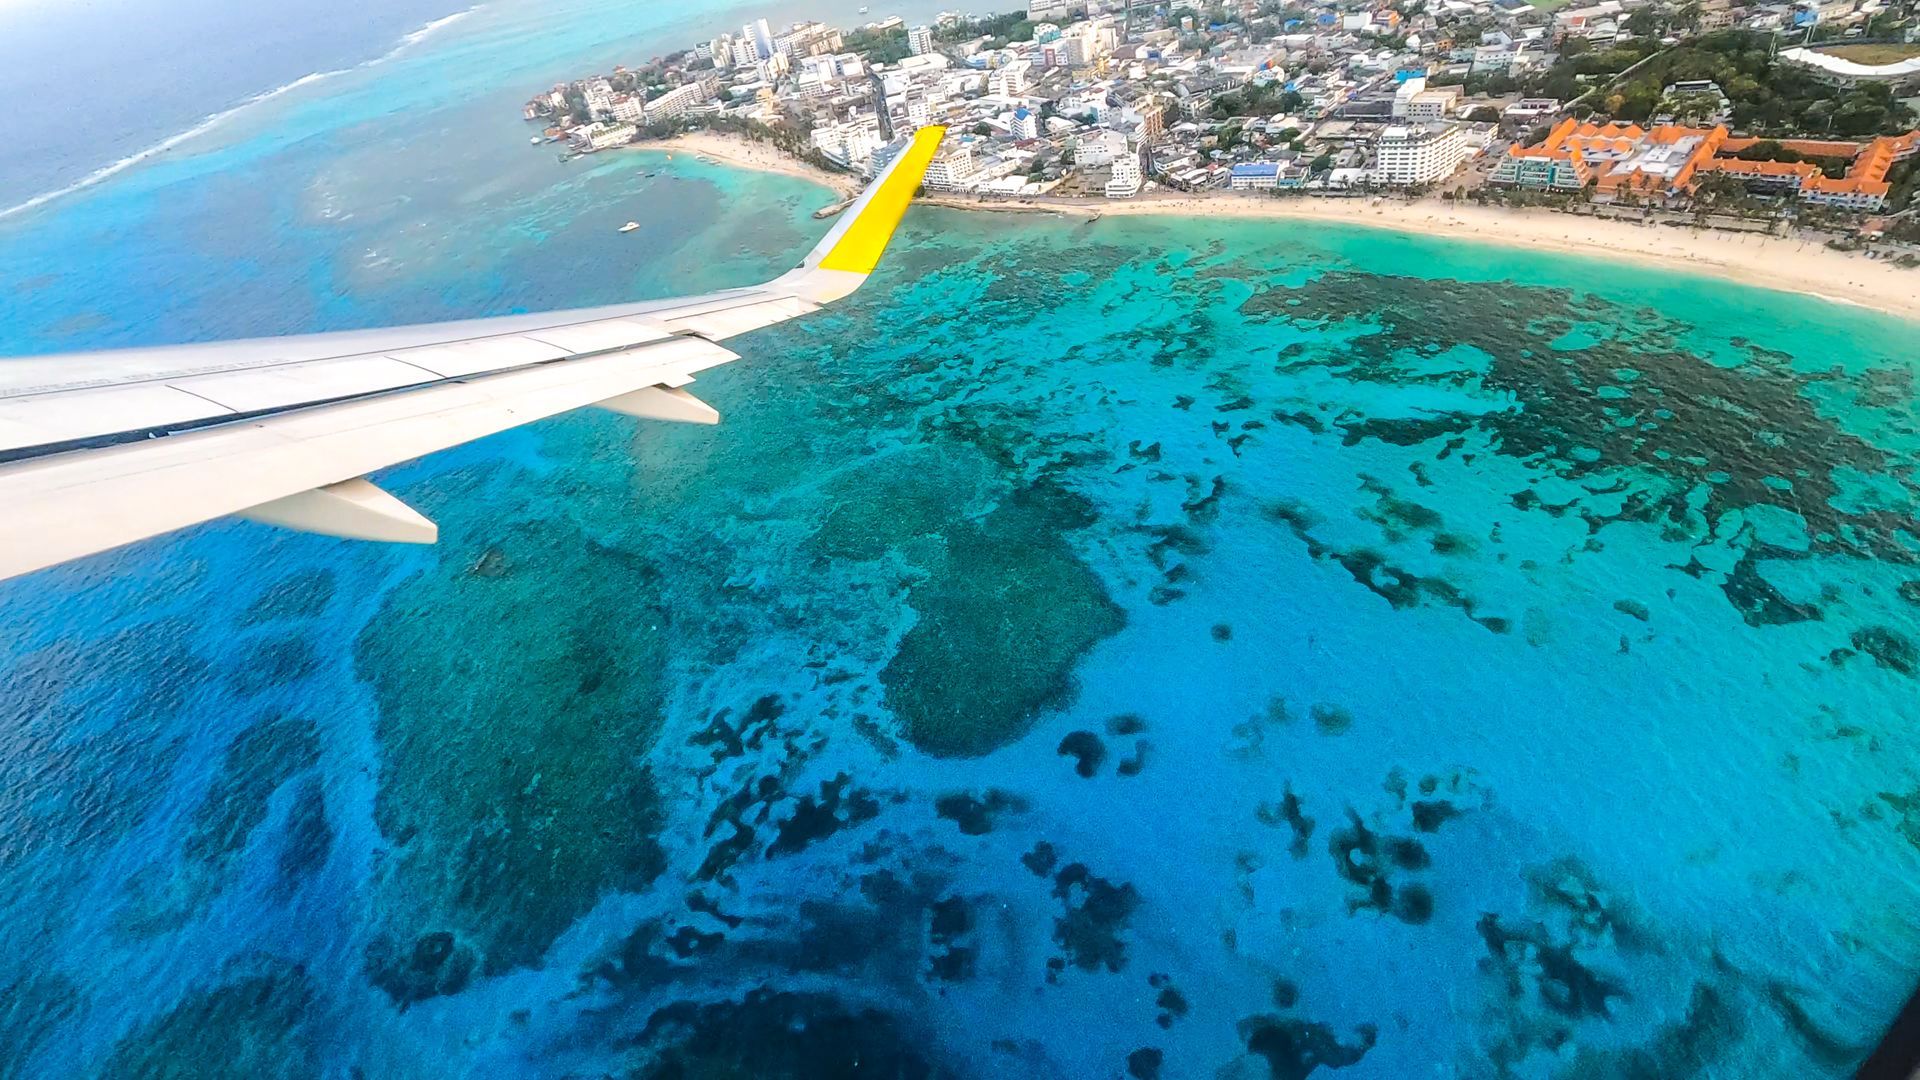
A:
1099, 148
761, 35
1432, 106
744, 53
721, 49
674, 102
1127, 179
919, 112
852, 142
952, 169
628, 109
1008, 80
599, 98
920, 40
602, 136
1025, 124
1419, 155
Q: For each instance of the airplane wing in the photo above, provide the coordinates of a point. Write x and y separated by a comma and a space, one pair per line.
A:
103, 449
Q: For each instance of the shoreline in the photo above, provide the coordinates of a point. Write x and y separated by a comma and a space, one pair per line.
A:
746, 154
1782, 264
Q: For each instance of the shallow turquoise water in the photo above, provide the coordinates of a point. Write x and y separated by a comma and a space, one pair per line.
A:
1225, 645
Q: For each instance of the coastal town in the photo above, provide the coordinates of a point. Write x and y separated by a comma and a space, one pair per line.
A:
1749, 116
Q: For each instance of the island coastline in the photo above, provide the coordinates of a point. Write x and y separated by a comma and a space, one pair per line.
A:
1784, 264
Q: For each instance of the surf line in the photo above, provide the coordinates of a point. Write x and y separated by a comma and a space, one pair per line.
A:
214, 120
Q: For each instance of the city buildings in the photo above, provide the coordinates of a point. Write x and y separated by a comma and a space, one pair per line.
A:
1091, 101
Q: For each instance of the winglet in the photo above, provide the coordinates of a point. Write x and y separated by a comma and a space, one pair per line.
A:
854, 245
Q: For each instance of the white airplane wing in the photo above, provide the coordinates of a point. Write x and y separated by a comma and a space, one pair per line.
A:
103, 449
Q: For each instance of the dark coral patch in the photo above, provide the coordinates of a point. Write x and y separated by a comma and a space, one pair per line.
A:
949, 920
274, 662
309, 836
975, 814
1525, 952
1430, 814
1097, 914
1332, 719
774, 1034
1087, 751
434, 964
256, 1026
815, 818
1144, 1063
1289, 812
257, 762
1413, 904
301, 595
1173, 1006
1041, 860
1889, 648
1295, 1048
1407, 853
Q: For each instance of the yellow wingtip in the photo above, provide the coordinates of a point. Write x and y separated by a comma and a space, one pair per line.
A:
858, 249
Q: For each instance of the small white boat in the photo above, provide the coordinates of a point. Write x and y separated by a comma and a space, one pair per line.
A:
535, 139
630, 226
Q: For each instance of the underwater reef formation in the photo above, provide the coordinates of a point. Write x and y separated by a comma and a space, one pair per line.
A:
790, 1036
1001, 626
512, 786
254, 1027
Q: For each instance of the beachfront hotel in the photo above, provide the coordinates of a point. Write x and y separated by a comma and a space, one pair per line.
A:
1668, 161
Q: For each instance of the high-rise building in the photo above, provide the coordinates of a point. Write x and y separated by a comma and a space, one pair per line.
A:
1153, 119
761, 35
920, 40
722, 47
880, 106
1126, 180
1417, 155
744, 53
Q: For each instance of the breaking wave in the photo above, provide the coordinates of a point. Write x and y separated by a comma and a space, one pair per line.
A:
216, 119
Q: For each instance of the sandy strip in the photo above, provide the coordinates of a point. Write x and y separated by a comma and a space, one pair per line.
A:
1807, 267
747, 154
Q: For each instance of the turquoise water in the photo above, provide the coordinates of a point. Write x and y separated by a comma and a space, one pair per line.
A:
1153, 647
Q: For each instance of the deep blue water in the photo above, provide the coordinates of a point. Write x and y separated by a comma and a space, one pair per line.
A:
1172, 647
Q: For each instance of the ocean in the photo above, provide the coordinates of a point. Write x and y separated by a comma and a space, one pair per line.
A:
1140, 647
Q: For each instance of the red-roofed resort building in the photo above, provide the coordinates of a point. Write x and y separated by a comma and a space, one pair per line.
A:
1666, 162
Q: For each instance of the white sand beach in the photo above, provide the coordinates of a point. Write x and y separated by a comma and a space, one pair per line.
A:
1793, 265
